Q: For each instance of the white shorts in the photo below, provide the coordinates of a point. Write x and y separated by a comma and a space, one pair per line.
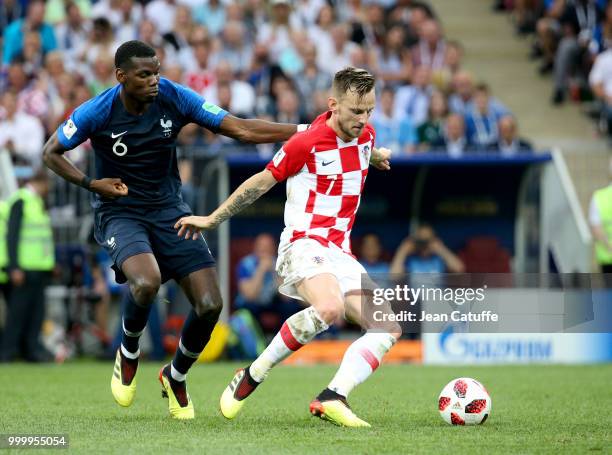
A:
306, 258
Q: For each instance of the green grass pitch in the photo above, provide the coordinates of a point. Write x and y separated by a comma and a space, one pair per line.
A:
536, 409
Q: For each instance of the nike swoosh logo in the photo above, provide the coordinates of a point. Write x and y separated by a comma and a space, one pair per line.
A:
325, 163
115, 136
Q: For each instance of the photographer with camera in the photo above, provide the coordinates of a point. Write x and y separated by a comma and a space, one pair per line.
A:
425, 253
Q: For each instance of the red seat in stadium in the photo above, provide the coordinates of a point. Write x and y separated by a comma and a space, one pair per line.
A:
484, 254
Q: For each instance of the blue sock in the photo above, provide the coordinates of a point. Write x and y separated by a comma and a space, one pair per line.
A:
134, 321
196, 333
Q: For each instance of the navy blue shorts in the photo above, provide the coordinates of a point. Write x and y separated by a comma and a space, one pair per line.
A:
128, 231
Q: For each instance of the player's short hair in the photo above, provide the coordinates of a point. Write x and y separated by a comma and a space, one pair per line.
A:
129, 49
353, 79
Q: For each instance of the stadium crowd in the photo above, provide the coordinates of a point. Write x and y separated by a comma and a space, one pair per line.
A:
573, 39
272, 60
268, 59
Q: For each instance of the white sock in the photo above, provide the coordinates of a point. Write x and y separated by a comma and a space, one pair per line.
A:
360, 360
176, 375
298, 330
128, 354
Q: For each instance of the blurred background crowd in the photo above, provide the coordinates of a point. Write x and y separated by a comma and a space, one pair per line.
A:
270, 59
273, 59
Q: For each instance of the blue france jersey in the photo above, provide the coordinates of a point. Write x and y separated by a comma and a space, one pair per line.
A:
139, 149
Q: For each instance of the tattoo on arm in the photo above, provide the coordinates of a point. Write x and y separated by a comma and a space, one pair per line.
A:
242, 200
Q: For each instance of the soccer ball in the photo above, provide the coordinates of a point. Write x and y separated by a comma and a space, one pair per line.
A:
464, 401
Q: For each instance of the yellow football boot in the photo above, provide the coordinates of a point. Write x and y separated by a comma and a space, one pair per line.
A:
240, 387
337, 412
123, 387
179, 401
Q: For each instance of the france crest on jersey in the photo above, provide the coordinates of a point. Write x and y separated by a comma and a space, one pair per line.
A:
139, 149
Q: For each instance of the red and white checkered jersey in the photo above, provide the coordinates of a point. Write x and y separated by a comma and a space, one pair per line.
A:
325, 178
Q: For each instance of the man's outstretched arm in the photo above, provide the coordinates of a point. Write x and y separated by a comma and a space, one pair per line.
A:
248, 192
53, 156
257, 131
54, 159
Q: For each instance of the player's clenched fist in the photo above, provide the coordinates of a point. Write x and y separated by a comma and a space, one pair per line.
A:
111, 188
380, 158
191, 226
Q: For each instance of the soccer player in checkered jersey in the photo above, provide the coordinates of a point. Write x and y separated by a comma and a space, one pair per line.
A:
325, 168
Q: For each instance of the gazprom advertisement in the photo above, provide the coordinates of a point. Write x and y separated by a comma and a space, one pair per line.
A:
497, 318
455, 346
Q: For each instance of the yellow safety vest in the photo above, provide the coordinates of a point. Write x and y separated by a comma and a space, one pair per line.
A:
36, 251
3, 248
603, 200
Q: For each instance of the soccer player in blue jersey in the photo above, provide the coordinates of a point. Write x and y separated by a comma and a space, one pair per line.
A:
133, 128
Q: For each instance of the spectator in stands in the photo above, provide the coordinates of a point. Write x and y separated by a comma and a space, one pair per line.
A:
430, 51
103, 75
10, 10
481, 118
393, 59
258, 282
61, 90
509, 143
234, 49
161, 13
32, 54
363, 58
312, 82
100, 42
454, 140
21, 134
123, 15
432, 131
288, 108
413, 15
178, 37
174, 72
393, 131
413, 100
31, 258
600, 81
338, 56
243, 95
212, 15
548, 31
201, 76
374, 27
370, 255
443, 78
278, 32
600, 219
15, 33
70, 33
261, 72
462, 92
321, 33
602, 37
126, 19
578, 23
524, 15
352, 12
30, 98
307, 11
425, 253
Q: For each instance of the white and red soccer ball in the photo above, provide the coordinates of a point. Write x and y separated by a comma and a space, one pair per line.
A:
464, 401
